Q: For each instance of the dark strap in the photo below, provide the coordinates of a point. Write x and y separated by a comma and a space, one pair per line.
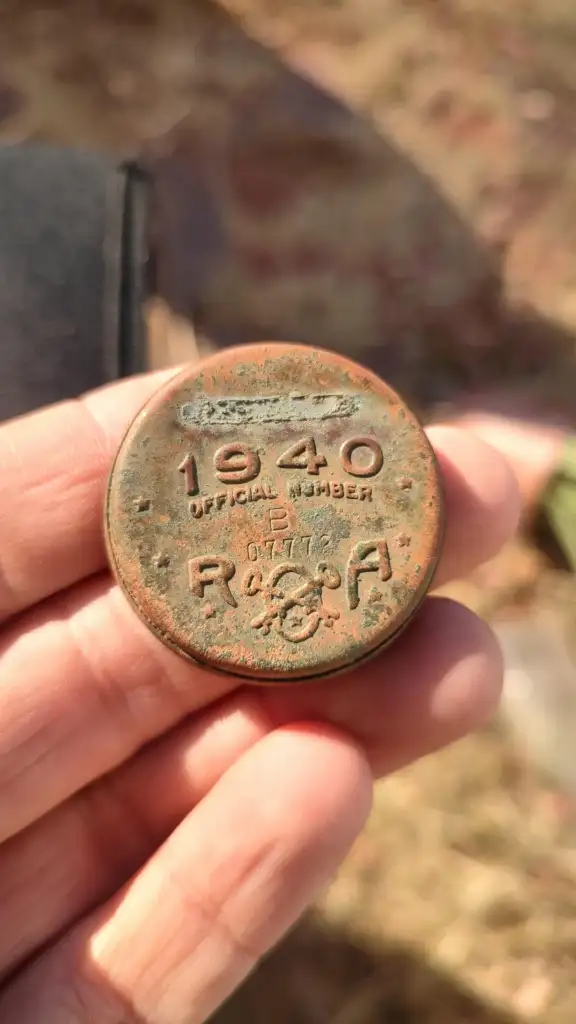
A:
72, 274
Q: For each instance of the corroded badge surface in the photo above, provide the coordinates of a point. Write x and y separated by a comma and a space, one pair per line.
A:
275, 512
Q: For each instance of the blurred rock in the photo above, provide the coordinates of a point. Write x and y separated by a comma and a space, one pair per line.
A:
540, 692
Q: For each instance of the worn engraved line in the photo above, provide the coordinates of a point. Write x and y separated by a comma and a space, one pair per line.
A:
268, 409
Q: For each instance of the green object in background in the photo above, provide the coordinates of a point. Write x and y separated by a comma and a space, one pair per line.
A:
559, 502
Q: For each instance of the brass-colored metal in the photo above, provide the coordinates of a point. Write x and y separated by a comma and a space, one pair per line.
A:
275, 512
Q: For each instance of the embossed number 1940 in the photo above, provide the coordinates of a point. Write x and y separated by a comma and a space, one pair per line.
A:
236, 463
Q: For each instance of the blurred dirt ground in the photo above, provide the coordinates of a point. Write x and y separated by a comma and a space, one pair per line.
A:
396, 180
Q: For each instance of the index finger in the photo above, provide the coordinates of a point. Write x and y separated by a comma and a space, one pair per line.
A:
55, 464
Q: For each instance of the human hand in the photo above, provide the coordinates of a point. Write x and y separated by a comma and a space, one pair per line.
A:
532, 449
161, 826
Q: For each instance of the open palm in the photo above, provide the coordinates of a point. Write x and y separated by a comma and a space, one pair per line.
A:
161, 827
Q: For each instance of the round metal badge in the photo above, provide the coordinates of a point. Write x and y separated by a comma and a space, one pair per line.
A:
275, 512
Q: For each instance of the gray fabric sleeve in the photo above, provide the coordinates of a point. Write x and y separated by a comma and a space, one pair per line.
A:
72, 274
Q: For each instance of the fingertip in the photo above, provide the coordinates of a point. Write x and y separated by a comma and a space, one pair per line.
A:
470, 690
447, 681
114, 405
482, 500
330, 773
